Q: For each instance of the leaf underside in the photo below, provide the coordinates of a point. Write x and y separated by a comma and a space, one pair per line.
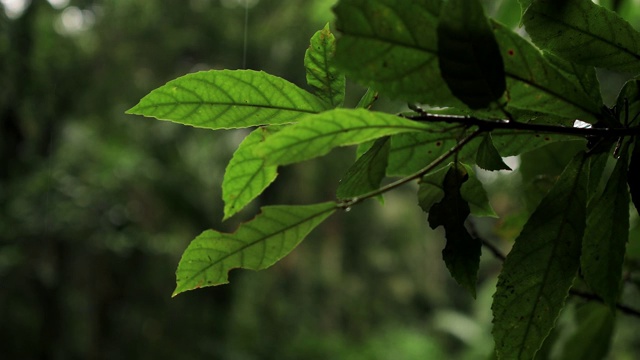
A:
322, 73
228, 99
366, 173
256, 245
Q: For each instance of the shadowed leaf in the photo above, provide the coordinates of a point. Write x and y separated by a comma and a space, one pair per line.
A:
488, 157
585, 33
539, 270
366, 173
469, 56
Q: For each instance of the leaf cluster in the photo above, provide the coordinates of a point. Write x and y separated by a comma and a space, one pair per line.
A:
477, 92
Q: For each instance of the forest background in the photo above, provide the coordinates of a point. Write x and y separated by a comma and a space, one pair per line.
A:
97, 206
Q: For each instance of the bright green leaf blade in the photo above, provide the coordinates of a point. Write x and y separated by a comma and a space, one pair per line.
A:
367, 100
462, 252
488, 157
226, 99
536, 85
256, 245
391, 46
366, 173
606, 235
591, 339
322, 73
585, 33
316, 135
538, 272
246, 175
468, 54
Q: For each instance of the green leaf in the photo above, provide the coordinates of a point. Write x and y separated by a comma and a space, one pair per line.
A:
322, 73
391, 46
488, 157
367, 100
591, 339
633, 178
316, 135
462, 252
366, 173
246, 175
431, 191
411, 152
536, 85
585, 33
256, 245
583, 76
468, 54
606, 236
629, 97
538, 272
227, 99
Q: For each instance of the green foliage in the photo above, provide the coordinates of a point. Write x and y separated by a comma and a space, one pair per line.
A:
497, 95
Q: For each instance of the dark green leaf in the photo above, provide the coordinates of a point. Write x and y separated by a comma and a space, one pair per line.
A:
431, 191
488, 157
468, 54
628, 103
534, 84
226, 99
316, 135
633, 176
591, 339
322, 73
585, 33
539, 270
606, 236
462, 252
247, 176
391, 46
367, 172
256, 245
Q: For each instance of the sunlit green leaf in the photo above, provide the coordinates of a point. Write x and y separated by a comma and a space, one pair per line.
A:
469, 56
317, 135
246, 175
256, 245
462, 252
225, 99
534, 84
606, 235
592, 337
488, 157
585, 33
539, 270
322, 73
367, 172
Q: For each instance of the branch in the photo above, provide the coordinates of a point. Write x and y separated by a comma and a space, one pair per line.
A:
489, 125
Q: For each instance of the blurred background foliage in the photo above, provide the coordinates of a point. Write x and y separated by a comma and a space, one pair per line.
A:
97, 206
